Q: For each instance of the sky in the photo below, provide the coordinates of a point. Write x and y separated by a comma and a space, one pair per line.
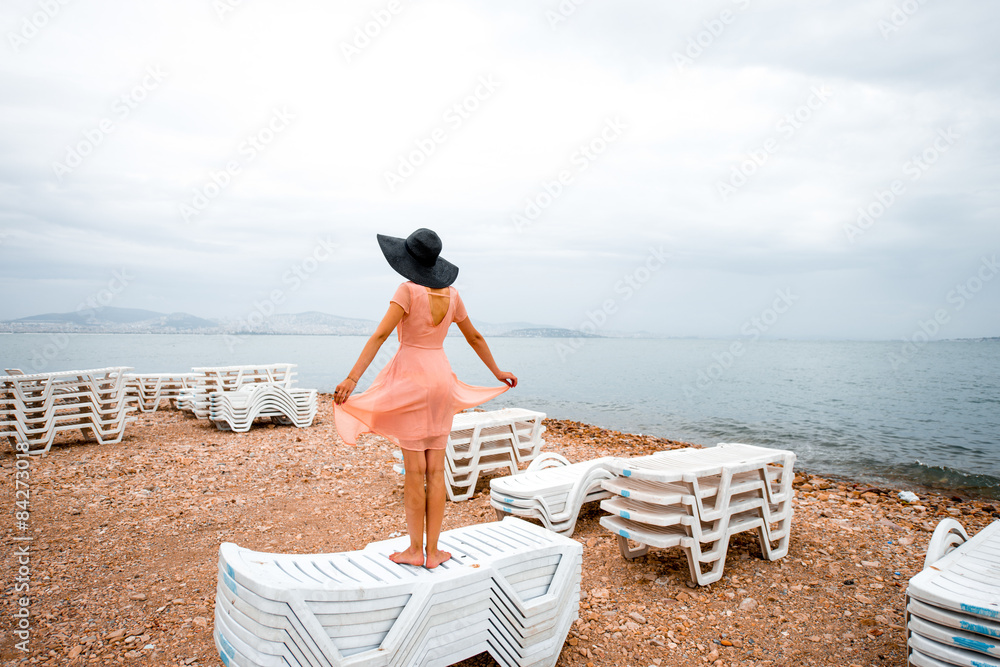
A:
716, 169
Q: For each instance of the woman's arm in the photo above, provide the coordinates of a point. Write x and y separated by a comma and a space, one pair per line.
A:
478, 343
382, 331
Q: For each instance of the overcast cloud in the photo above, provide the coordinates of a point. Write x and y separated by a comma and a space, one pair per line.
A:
680, 167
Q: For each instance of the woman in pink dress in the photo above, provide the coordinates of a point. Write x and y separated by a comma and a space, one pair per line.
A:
413, 399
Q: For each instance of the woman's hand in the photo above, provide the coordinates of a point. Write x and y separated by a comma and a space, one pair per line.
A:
508, 379
344, 390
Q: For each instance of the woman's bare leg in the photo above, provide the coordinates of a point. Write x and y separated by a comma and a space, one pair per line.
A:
435, 498
415, 504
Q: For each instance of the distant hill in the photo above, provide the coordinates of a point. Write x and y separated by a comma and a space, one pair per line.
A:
90, 316
134, 320
107, 319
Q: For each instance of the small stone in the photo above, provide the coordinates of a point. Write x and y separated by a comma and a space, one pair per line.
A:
137, 596
748, 604
75, 651
726, 642
637, 617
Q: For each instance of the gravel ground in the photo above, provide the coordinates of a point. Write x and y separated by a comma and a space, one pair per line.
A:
122, 564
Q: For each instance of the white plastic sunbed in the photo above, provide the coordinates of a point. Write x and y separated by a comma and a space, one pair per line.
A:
511, 589
148, 389
486, 441
552, 490
697, 499
212, 379
34, 408
236, 410
953, 604
515, 429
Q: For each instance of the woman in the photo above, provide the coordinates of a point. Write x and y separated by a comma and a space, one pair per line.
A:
413, 399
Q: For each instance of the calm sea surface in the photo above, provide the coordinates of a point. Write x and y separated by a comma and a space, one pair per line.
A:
931, 418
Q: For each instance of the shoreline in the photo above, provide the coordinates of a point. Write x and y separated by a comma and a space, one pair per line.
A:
934, 495
125, 550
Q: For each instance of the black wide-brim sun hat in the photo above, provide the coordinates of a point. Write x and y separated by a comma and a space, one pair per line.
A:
418, 258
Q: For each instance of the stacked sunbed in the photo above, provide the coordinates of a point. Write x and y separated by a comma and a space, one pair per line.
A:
147, 390
953, 605
511, 589
236, 410
209, 380
33, 408
552, 490
483, 441
696, 499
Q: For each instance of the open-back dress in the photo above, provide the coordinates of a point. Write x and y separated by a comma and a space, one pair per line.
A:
413, 399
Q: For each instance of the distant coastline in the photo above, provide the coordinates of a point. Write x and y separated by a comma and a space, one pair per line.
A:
109, 320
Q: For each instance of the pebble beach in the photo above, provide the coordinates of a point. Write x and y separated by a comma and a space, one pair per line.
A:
123, 560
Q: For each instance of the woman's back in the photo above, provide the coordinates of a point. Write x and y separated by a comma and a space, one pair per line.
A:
428, 314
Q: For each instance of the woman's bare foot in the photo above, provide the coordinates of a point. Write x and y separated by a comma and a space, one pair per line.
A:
409, 557
435, 558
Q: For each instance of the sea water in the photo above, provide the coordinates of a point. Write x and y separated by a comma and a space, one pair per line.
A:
874, 412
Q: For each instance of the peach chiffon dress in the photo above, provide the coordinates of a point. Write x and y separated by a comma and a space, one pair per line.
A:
413, 399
